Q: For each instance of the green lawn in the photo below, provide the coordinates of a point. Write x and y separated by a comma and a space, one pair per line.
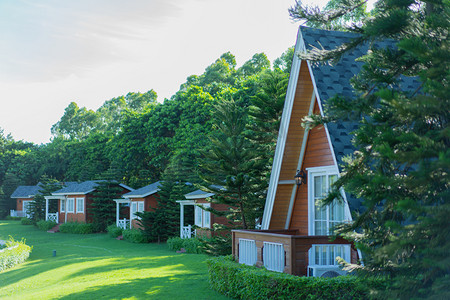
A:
96, 266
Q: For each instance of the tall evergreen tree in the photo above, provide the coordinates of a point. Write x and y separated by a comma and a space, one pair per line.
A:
401, 168
163, 221
37, 206
231, 168
103, 208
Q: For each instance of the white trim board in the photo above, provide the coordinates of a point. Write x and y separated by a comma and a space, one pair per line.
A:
282, 133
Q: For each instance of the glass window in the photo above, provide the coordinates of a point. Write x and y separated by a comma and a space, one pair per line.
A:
63, 205
202, 217
80, 205
324, 217
70, 204
325, 255
133, 209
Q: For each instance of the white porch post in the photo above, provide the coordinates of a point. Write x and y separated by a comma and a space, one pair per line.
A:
117, 213
46, 209
181, 219
131, 214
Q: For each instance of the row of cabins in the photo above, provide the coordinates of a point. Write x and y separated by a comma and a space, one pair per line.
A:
295, 234
72, 203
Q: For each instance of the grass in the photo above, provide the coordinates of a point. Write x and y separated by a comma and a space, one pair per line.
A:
96, 266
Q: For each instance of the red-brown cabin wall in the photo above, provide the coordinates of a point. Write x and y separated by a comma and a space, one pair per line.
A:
317, 154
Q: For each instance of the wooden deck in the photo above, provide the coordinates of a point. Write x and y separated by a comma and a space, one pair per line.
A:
295, 246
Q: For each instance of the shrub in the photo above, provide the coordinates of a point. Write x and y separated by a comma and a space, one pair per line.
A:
15, 252
217, 245
192, 245
244, 282
114, 231
133, 235
26, 221
74, 227
13, 218
45, 225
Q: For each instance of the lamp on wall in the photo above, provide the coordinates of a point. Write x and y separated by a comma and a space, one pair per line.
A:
300, 177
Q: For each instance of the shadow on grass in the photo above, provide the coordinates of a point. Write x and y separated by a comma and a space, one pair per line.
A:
167, 287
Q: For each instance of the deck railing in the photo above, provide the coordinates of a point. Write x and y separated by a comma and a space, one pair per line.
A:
17, 213
188, 232
52, 217
123, 223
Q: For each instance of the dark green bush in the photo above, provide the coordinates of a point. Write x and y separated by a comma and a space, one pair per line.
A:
192, 245
45, 225
15, 252
26, 221
13, 218
217, 245
134, 236
114, 231
244, 282
74, 227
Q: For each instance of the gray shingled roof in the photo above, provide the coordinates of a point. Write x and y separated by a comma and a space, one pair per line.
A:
335, 79
144, 191
26, 191
77, 188
198, 194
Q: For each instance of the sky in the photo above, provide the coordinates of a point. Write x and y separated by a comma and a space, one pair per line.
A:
53, 52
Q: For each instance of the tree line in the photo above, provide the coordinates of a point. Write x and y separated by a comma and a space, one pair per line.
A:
134, 139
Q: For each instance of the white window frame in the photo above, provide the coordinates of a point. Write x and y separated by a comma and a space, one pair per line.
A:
321, 171
78, 210
326, 254
136, 206
70, 200
202, 217
63, 205
25, 207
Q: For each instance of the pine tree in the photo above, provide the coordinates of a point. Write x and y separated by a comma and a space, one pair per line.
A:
163, 221
103, 208
37, 206
232, 168
402, 163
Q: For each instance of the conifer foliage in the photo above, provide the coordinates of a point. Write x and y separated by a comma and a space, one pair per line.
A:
401, 166
103, 208
231, 168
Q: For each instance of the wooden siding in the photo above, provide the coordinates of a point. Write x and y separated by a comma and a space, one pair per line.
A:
296, 247
317, 154
293, 147
281, 206
295, 133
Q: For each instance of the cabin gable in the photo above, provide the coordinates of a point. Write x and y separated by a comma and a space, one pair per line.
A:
292, 149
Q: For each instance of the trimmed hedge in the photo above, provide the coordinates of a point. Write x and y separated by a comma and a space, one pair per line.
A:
114, 231
134, 235
78, 228
244, 282
192, 245
15, 253
45, 225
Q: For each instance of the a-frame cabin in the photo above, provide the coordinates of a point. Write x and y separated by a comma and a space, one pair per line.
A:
296, 231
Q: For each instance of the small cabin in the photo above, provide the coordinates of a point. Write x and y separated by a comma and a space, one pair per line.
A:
74, 202
140, 200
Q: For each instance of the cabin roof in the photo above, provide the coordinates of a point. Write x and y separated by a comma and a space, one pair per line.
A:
198, 194
26, 191
82, 188
144, 191
328, 80
331, 80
